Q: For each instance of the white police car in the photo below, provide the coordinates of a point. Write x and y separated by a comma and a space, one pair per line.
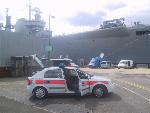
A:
70, 80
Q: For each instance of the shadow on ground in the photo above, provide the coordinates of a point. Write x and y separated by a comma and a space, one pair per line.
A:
89, 101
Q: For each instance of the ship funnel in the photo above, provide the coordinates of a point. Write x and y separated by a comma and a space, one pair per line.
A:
8, 26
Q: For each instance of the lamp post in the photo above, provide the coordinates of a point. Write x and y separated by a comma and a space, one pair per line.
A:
49, 39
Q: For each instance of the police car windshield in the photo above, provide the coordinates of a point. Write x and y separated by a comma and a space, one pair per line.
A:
85, 73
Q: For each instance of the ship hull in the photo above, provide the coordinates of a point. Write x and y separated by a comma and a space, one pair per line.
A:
116, 43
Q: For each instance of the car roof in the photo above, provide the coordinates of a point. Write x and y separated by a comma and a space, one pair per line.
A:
61, 59
106, 61
70, 68
51, 68
54, 68
126, 60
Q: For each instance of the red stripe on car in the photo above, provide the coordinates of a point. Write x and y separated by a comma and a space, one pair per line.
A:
57, 82
101, 82
39, 81
92, 82
105, 82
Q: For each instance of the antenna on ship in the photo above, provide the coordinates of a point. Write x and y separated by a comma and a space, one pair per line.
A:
8, 25
29, 9
7, 12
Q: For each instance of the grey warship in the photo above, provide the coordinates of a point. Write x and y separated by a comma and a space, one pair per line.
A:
114, 39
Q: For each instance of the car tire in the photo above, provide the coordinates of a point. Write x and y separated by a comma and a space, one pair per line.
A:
100, 91
40, 92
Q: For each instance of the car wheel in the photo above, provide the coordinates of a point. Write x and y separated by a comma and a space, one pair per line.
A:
40, 92
100, 91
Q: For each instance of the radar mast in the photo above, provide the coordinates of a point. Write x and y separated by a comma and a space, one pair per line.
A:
29, 9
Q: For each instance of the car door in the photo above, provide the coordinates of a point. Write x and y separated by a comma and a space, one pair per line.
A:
84, 85
54, 81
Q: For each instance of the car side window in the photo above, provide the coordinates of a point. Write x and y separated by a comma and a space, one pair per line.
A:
103, 63
53, 74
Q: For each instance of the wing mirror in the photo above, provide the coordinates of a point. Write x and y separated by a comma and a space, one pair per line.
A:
88, 76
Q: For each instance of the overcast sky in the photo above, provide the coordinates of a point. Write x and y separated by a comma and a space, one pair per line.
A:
79, 15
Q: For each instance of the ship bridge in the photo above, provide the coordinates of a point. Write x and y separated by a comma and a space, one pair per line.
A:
31, 26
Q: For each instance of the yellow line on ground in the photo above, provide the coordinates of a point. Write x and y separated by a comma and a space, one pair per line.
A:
137, 85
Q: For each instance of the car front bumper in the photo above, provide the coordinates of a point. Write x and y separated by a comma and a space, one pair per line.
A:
110, 87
